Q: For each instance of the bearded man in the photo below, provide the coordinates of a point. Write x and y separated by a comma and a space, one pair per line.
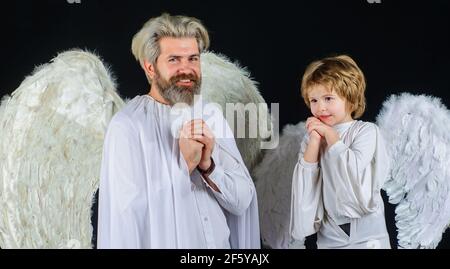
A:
165, 189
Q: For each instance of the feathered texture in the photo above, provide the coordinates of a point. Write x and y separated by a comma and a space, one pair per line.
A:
224, 83
52, 130
273, 185
417, 131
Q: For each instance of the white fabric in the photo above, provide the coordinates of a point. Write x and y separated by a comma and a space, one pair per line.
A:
147, 198
344, 187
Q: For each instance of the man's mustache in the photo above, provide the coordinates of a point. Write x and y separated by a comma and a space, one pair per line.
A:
191, 77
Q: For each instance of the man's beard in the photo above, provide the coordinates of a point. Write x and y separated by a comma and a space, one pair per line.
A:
174, 94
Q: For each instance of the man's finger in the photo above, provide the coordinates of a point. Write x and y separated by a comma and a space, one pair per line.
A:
196, 122
184, 133
200, 139
207, 132
196, 131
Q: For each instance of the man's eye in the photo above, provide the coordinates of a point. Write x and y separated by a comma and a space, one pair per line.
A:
194, 59
172, 60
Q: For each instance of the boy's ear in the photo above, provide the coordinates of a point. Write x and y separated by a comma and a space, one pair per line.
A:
349, 107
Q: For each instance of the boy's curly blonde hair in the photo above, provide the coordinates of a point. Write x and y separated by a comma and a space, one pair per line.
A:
341, 74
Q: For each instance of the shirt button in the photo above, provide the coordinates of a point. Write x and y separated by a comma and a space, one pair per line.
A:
205, 219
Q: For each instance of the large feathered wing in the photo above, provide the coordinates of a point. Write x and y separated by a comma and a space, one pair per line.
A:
52, 130
417, 133
231, 87
273, 185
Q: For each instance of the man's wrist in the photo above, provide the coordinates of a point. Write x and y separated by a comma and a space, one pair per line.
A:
209, 170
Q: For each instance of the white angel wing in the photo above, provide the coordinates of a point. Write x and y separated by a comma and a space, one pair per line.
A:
273, 185
51, 135
225, 83
417, 131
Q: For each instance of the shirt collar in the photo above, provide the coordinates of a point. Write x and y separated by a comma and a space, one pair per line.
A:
342, 127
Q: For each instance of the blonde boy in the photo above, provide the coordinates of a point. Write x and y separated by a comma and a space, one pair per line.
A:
342, 162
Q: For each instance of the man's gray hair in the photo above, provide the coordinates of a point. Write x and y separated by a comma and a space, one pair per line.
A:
145, 44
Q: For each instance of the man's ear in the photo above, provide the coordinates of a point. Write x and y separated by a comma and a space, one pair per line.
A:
149, 69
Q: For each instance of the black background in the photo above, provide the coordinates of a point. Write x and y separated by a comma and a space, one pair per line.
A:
401, 46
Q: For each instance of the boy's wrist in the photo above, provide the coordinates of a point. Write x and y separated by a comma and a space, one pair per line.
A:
331, 138
314, 141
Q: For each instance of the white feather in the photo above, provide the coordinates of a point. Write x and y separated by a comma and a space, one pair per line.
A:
52, 130
417, 131
224, 82
273, 185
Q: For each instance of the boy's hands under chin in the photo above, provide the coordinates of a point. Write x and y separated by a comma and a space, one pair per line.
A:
314, 125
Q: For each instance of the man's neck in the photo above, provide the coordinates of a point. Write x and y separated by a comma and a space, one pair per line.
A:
154, 93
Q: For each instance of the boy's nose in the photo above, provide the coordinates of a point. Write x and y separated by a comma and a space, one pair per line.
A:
322, 106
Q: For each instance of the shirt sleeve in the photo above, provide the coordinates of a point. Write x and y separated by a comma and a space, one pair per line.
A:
123, 221
353, 174
306, 197
236, 187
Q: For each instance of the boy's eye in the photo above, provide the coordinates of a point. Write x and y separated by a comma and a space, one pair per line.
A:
328, 98
313, 101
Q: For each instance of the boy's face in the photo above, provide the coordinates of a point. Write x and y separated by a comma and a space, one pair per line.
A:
327, 106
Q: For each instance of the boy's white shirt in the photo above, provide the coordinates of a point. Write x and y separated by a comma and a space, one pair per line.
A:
344, 187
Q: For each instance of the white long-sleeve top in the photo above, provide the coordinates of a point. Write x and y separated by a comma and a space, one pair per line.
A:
147, 198
344, 187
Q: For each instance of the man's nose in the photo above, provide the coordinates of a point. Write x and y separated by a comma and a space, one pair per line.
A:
185, 68
184, 71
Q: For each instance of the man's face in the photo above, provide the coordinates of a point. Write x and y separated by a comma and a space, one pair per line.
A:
177, 70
